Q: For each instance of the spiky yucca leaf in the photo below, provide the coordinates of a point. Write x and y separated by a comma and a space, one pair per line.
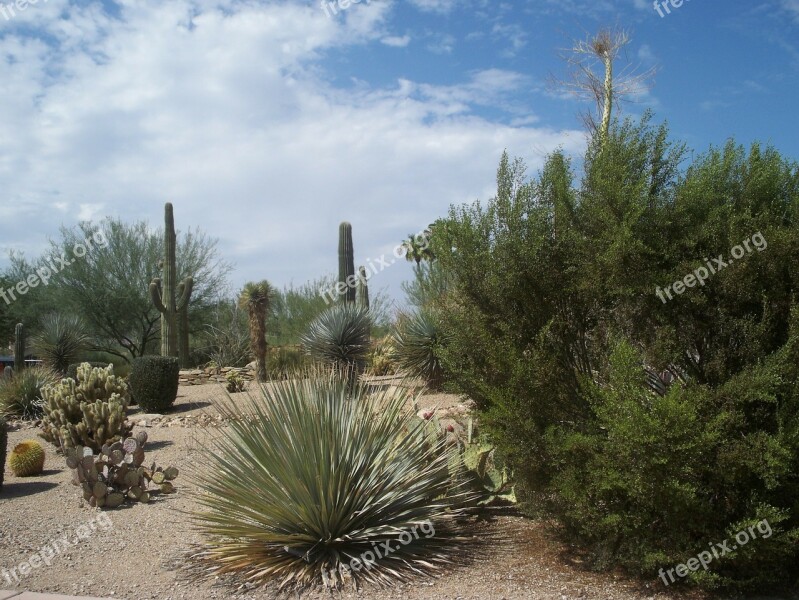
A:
416, 343
21, 394
339, 337
313, 473
61, 340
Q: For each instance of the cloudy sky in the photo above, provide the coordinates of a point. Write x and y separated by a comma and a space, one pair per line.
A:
267, 123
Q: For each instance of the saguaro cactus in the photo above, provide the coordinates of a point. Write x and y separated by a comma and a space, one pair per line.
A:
363, 281
19, 348
171, 299
346, 264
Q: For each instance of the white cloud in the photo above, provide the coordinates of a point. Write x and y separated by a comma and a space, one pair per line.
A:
396, 41
224, 109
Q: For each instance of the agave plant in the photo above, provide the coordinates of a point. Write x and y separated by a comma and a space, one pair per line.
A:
61, 340
339, 337
314, 477
416, 342
21, 395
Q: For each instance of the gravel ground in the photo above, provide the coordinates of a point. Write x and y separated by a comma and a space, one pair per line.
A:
140, 552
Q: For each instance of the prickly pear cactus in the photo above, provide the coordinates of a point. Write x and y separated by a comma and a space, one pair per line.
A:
87, 412
484, 471
3, 448
27, 459
117, 474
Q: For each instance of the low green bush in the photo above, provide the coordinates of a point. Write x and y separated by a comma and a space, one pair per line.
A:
21, 394
153, 382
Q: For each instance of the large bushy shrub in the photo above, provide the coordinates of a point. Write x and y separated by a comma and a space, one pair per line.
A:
649, 427
153, 382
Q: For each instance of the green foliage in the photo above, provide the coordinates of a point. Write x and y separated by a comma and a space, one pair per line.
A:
3, 448
382, 357
318, 474
153, 382
226, 338
61, 339
27, 459
234, 382
89, 411
339, 337
647, 428
21, 394
416, 346
286, 361
118, 473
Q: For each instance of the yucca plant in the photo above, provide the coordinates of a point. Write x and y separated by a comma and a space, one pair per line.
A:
21, 394
416, 341
61, 340
339, 337
314, 475
256, 299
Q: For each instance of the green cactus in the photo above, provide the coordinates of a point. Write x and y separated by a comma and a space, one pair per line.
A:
3, 448
117, 473
27, 459
483, 470
172, 298
363, 281
87, 412
19, 347
346, 263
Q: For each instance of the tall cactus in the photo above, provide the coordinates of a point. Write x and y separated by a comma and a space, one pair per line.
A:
19, 348
163, 293
363, 298
346, 263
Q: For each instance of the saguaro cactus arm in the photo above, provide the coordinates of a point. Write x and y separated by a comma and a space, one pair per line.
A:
156, 294
185, 288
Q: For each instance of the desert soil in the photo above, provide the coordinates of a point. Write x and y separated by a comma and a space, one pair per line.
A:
144, 552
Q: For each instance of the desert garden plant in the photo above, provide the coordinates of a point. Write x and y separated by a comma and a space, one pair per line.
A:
234, 382
27, 459
339, 337
89, 411
312, 474
256, 299
416, 347
154, 382
61, 339
3, 448
21, 394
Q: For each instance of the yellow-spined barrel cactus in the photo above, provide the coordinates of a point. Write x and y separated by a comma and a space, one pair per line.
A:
27, 459
89, 411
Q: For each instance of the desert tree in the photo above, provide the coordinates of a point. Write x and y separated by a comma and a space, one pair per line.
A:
256, 299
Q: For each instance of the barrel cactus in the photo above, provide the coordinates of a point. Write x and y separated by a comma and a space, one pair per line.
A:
118, 473
27, 459
89, 411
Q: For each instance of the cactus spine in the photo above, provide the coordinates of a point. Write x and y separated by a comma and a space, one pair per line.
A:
346, 263
171, 299
27, 459
19, 348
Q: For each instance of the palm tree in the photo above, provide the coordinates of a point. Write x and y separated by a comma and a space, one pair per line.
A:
417, 247
256, 298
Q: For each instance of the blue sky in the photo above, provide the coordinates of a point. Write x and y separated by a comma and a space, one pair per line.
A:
268, 123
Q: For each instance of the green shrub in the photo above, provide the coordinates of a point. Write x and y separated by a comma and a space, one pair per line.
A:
60, 340
648, 427
154, 382
319, 473
284, 361
87, 411
339, 337
72, 369
234, 382
416, 347
21, 394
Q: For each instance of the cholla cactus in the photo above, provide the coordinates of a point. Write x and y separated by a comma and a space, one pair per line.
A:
117, 473
235, 382
87, 412
27, 459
